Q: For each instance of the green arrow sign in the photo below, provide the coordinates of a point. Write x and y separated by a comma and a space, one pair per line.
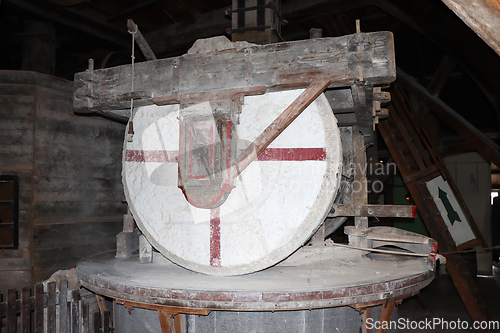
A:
452, 214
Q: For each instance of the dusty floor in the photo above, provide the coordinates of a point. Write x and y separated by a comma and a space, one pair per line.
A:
441, 300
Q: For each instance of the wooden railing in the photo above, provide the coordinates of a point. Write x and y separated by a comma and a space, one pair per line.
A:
53, 311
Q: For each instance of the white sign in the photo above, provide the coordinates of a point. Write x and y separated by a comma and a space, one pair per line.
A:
450, 210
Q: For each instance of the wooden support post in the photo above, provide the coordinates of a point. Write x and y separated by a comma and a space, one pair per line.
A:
128, 222
385, 316
166, 322
319, 236
127, 241
103, 308
366, 315
75, 315
85, 317
145, 250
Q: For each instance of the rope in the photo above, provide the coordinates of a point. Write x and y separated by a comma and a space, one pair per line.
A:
130, 123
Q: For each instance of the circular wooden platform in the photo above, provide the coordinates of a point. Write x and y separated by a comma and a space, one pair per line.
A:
315, 283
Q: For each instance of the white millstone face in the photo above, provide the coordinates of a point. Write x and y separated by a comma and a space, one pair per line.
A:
275, 207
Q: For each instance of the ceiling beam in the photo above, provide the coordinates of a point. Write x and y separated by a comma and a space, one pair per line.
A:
214, 23
75, 19
486, 147
482, 16
125, 12
443, 28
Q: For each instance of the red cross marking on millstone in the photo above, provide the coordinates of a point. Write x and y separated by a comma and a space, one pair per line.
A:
269, 154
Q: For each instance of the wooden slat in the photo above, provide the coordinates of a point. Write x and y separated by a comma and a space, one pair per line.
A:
14, 132
407, 139
76, 234
63, 306
59, 256
11, 311
164, 308
85, 317
421, 174
91, 211
406, 112
26, 310
57, 119
39, 308
76, 188
96, 323
105, 322
179, 323
422, 151
78, 165
51, 307
68, 143
75, 316
16, 157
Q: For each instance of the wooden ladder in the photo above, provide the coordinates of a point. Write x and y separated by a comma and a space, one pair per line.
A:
418, 162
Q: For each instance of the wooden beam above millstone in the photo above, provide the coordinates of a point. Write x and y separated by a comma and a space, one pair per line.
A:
277, 66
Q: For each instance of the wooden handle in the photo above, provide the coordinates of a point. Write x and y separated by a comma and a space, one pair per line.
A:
278, 126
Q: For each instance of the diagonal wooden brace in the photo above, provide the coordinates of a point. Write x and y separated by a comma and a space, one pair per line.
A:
278, 126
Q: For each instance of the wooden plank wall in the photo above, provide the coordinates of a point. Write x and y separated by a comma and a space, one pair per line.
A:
71, 167
78, 194
17, 114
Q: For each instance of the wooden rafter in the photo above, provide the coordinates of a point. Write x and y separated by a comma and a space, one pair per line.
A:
482, 16
92, 23
488, 149
445, 30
